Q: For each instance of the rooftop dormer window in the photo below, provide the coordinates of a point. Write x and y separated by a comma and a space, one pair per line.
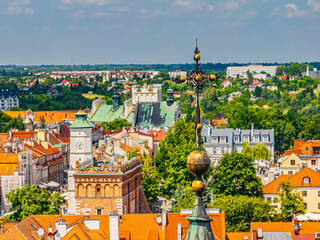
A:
306, 180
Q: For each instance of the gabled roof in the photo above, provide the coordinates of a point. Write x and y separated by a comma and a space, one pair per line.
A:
296, 180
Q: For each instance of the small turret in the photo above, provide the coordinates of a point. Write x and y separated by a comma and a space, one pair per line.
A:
170, 99
116, 99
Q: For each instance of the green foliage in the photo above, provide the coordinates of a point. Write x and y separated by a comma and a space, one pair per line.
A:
34, 201
6, 123
115, 125
240, 211
291, 200
150, 179
132, 154
258, 152
209, 98
171, 158
235, 175
183, 198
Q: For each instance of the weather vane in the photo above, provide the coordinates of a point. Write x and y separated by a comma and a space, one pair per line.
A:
197, 79
198, 161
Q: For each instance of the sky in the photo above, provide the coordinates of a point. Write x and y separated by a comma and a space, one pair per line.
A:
35, 32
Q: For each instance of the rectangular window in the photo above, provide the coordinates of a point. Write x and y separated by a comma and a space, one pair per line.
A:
293, 162
313, 162
318, 205
269, 199
99, 211
256, 139
215, 139
236, 139
246, 138
222, 139
222, 151
214, 151
289, 172
307, 149
318, 193
265, 138
304, 193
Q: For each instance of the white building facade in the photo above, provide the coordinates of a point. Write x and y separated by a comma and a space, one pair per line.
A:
8, 99
240, 70
80, 150
150, 93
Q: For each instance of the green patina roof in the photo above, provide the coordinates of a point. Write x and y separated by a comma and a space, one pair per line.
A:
105, 113
142, 140
61, 145
81, 121
156, 114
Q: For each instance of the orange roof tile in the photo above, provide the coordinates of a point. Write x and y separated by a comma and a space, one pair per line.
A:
8, 163
3, 138
158, 135
296, 180
273, 187
239, 235
217, 122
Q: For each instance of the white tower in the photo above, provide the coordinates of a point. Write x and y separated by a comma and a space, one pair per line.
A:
80, 150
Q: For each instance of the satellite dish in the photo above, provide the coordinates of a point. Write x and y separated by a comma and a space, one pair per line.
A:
40, 231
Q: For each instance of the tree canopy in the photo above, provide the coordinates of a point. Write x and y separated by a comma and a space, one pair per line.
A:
115, 125
32, 200
291, 200
173, 151
240, 211
235, 175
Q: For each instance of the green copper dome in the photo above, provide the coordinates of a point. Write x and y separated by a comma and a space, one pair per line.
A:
81, 121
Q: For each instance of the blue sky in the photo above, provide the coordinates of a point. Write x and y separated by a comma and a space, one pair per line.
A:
34, 32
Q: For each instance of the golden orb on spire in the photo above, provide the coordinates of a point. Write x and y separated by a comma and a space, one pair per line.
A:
196, 57
198, 78
198, 163
183, 79
212, 77
198, 186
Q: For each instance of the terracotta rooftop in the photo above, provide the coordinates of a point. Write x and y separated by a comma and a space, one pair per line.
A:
8, 163
296, 180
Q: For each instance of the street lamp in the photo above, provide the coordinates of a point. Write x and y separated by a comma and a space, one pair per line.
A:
198, 161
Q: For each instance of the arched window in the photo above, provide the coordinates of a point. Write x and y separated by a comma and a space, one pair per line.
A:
89, 190
115, 190
107, 191
80, 191
306, 180
98, 190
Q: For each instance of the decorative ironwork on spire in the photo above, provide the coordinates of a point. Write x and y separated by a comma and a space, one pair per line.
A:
198, 161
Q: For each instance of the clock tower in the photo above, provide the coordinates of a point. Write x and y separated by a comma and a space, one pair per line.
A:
80, 150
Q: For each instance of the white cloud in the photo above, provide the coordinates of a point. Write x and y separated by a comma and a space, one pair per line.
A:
18, 6
189, 4
229, 5
87, 2
293, 10
315, 5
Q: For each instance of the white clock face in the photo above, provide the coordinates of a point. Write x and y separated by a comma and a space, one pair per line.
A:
79, 145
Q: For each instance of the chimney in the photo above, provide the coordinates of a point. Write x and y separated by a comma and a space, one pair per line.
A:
61, 227
179, 231
114, 225
270, 176
164, 219
308, 73
50, 228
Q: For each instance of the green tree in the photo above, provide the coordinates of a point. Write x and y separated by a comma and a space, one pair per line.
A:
291, 200
240, 211
115, 125
258, 152
235, 175
150, 179
183, 198
208, 100
34, 201
173, 151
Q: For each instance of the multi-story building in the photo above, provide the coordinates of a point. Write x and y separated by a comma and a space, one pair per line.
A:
150, 93
307, 181
175, 74
99, 187
8, 99
220, 141
240, 70
304, 154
